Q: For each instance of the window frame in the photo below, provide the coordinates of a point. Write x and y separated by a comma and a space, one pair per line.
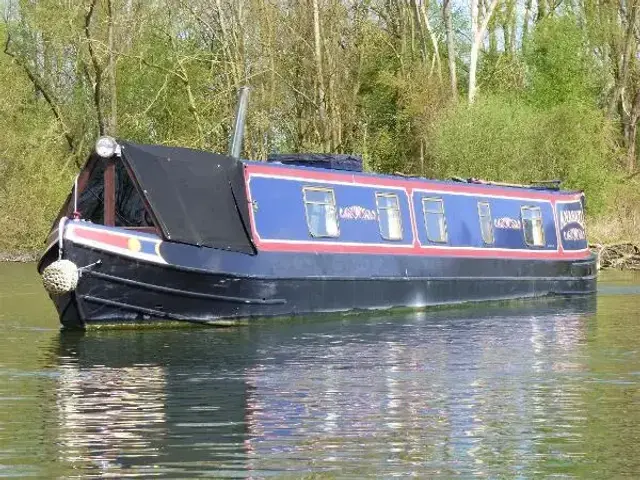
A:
490, 216
306, 212
532, 208
397, 208
444, 219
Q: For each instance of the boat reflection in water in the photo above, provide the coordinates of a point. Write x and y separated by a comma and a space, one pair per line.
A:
106, 410
471, 392
153, 402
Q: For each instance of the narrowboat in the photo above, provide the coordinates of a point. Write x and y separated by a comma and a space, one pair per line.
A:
152, 232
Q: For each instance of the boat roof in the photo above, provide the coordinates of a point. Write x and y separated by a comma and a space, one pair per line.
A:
550, 186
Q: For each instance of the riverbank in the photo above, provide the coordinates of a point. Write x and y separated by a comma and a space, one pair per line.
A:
19, 257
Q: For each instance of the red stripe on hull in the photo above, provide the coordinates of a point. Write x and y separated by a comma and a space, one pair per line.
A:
423, 251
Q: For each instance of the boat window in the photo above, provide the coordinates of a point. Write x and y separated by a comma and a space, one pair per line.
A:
130, 209
486, 225
532, 226
320, 208
434, 219
389, 218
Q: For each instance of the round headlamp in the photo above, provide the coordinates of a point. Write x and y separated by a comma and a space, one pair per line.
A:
106, 147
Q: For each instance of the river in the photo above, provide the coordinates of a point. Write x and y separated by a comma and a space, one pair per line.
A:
537, 388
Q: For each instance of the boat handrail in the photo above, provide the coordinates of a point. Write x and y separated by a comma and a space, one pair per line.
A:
538, 185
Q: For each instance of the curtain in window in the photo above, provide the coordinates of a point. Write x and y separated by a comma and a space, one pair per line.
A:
331, 223
395, 226
321, 212
389, 218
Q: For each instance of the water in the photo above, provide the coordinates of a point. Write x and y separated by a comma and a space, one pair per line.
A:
536, 389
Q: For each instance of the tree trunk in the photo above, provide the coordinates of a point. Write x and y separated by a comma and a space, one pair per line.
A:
631, 151
493, 34
319, 75
631, 132
542, 10
417, 18
95, 78
478, 30
434, 40
525, 22
112, 126
624, 57
509, 27
451, 47
475, 48
234, 80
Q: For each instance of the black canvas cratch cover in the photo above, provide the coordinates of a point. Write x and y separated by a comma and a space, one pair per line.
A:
331, 161
197, 197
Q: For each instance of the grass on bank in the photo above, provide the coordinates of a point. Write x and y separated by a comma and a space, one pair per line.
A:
619, 222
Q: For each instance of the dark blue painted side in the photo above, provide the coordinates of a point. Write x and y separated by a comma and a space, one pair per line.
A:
463, 221
279, 211
124, 291
279, 214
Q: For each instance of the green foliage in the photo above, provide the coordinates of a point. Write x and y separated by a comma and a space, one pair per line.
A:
507, 139
561, 68
539, 120
502, 73
35, 168
620, 220
30, 199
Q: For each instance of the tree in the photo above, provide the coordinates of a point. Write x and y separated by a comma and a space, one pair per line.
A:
478, 30
451, 47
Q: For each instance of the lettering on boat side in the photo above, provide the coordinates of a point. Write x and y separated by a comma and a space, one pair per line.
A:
507, 223
356, 212
574, 234
571, 216
572, 225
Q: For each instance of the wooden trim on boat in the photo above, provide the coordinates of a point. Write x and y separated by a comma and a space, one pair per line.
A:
110, 193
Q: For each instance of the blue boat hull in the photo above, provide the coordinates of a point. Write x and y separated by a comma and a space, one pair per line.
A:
122, 290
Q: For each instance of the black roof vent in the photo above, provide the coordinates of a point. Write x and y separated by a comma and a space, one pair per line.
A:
332, 161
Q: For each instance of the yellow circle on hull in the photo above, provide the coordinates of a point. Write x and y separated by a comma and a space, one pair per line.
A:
134, 245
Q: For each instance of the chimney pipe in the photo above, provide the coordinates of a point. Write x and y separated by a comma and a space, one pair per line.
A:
235, 144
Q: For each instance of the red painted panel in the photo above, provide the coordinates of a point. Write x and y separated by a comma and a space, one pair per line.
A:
311, 247
103, 236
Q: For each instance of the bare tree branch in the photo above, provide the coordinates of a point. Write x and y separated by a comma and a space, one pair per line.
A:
113, 97
97, 78
49, 98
